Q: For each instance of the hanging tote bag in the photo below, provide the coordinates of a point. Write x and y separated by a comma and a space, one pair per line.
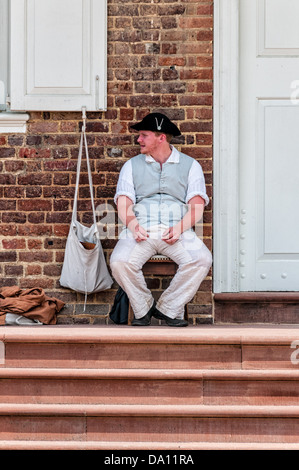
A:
84, 267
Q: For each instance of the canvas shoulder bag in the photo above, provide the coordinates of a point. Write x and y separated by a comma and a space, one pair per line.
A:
84, 267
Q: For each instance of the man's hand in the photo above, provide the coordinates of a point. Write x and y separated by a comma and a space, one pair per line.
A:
194, 214
139, 233
171, 235
127, 216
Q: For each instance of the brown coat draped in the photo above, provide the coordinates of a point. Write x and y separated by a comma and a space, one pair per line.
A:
31, 303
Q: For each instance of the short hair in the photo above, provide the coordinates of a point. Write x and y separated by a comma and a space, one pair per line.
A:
168, 136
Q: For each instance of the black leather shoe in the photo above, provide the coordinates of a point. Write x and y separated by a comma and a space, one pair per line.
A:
169, 321
146, 320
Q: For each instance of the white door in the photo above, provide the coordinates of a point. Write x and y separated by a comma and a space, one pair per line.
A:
269, 145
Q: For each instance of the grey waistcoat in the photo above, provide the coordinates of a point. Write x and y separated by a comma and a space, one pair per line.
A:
160, 192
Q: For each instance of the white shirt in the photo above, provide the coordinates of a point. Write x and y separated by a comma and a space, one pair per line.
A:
196, 181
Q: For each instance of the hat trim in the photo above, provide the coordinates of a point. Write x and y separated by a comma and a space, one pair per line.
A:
159, 126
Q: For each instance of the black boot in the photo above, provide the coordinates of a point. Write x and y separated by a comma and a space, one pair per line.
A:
146, 320
169, 321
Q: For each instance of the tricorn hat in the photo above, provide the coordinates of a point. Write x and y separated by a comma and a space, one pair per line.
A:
157, 122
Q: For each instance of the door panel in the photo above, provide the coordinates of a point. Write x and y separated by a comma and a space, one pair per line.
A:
274, 37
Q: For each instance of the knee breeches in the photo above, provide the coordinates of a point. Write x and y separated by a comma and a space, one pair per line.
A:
189, 253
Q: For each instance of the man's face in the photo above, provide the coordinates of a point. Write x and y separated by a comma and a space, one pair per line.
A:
149, 142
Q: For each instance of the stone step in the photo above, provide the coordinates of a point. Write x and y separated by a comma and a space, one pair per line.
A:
149, 386
98, 347
259, 308
105, 387
150, 449
139, 423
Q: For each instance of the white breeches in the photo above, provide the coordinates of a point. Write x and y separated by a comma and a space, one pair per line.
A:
189, 253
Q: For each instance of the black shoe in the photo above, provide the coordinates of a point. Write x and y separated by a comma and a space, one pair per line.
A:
169, 321
146, 320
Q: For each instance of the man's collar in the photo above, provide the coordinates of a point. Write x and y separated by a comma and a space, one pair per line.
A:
173, 158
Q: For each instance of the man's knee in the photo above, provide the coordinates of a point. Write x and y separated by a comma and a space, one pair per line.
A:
207, 259
121, 268
117, 267
203, 259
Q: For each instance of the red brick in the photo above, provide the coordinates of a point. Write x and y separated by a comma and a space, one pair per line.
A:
36, 217
52, 270
8, 229
7, 152
13, 217
36, 256
171, 10
199, 22
34, 153
13, 270
61, 230
35, 205
126, 114
205, 9
69, 126
42, 282
196, 74
7, 205
33, 269
12, 166
14, 244
34, 244
6, 256
7, 179
40, 230
171, 61
43, 127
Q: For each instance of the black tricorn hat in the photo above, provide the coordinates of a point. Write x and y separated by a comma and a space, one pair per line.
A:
157, 122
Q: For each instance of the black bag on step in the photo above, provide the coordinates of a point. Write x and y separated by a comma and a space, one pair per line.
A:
120, 309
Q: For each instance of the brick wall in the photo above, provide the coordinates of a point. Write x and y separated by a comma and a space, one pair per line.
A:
159, 59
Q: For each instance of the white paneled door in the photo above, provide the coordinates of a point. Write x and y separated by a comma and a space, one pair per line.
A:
269, 145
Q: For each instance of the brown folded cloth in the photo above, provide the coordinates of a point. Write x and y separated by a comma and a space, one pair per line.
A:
31, 303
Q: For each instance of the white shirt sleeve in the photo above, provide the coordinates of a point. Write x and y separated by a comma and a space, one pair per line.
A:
125, 185
196, 183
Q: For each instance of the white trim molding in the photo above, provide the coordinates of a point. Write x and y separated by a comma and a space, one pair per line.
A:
226, 136
13, 122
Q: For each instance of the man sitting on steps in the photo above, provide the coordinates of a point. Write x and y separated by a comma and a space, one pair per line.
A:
160, 196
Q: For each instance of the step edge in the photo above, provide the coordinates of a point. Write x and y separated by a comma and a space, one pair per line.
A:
184, 411
148, 374
142, 446
255, 297
103, 334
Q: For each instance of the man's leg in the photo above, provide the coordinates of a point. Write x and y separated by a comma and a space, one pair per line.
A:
126, 263
194, 261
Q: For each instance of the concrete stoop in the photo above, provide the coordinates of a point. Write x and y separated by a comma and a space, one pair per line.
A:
121, 388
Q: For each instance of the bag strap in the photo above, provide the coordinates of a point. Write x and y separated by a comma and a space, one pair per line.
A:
83, 140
